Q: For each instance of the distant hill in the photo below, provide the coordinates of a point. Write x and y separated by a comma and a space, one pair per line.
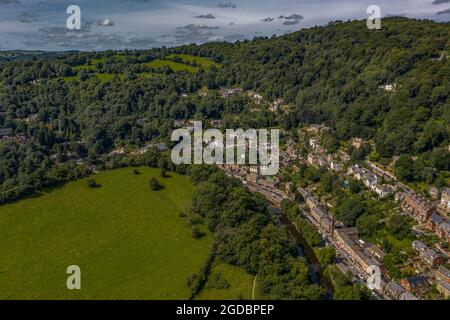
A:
390, 86
19, 55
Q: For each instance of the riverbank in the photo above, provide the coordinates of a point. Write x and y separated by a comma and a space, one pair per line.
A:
307, 251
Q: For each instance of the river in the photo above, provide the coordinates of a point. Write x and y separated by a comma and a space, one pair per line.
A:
305, 250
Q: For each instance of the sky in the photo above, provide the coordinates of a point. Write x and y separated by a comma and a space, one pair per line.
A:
141, 24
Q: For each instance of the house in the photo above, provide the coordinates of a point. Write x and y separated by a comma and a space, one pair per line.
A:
417, 284
327, 224
344, 157
337, 166
312, 159
443, 288
353, 169
252, 178
389, 87
369, 180
433, 258
318, 214
322, 162
434, 192
226, 93
419, 246
253, 169
313, 143
376, 251
382, 190
415, 205
357, 142
407, 296
394, 290
445, 200
303, 193
4, 132
216, 123
277, 104
31, 118
444, 231
312, 203
346, 240
178, 123
288, 187
317, 128
267, 184
255, 96
442, 274
434, 222
430, 256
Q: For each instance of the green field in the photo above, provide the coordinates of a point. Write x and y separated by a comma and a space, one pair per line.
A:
159, 63
204, 62
240, 284
105, 76
175, 66
83, 67
128, 240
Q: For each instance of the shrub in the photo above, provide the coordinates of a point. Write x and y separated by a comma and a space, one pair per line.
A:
155, 185
91, 183
196, 233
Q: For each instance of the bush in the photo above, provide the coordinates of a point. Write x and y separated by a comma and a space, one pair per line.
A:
182, 214
91, 183
155, 185
196, 233
217, 281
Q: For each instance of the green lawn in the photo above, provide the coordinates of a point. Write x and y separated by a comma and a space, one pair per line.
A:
204, 62
67, 79
83, 67
175, 66
240, 284
105, 76
128, 240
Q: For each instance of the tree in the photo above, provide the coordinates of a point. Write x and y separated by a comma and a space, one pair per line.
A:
155, 185
91, 183
325, 255
349, 210
354, 186
350, 292
404, 168
196, 233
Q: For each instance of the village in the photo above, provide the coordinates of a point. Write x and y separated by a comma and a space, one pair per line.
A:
354, 255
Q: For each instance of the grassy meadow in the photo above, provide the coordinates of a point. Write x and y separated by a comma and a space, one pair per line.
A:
158, 63
175, 66
239, 284
128, 240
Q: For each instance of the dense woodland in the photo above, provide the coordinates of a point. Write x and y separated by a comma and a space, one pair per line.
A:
327, 74
247, 235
